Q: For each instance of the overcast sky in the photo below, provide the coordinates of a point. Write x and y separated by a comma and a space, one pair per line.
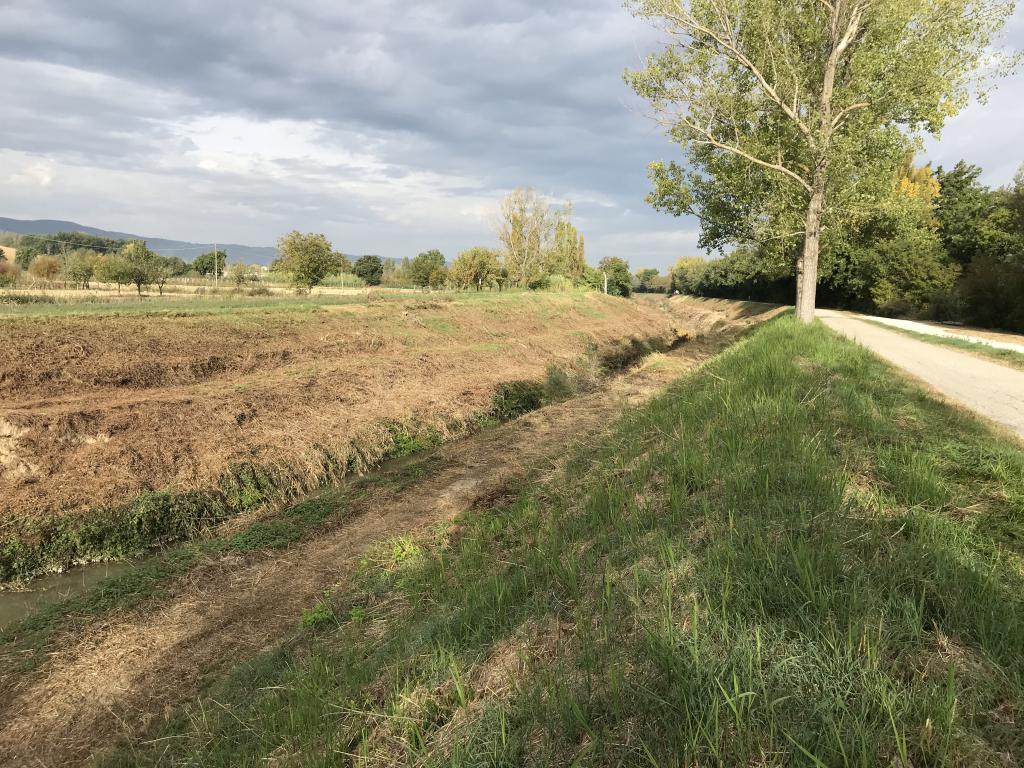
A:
393, 127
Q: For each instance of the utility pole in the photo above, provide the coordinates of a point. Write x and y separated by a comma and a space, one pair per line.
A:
603, 272
216, 266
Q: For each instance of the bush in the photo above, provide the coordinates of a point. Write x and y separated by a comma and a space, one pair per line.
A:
320, 616
946, 305
243, 276
539, 283
560, 284
9, 273
557, 385
993, 291
896, 307
44, 267
514, 398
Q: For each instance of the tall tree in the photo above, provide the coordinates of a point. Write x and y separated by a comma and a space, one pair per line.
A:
566, 255
307, 259
141, 265
615, 276
973, 219
426, 270
811, 99
476, 266
369, 269
206, 263
524, 229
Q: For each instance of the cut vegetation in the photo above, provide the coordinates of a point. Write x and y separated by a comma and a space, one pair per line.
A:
792, 557
121, 432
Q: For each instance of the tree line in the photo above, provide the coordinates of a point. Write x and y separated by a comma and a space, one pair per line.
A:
939, 244
79, 259
539, 248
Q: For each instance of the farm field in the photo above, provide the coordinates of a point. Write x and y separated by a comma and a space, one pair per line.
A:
119, 431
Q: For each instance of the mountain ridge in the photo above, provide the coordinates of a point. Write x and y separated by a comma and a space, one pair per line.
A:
165, 246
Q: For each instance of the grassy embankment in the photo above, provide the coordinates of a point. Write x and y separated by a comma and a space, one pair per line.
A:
118, 530
1008, 356
792, 557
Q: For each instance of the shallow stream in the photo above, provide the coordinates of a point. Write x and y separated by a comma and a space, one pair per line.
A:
16, 605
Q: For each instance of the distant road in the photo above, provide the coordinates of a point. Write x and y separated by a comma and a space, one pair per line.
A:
992, 390
963, 335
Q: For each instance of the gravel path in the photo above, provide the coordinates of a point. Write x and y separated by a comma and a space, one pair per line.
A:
963, 335
990, 389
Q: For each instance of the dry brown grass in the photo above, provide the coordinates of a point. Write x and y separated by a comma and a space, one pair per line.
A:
100, 409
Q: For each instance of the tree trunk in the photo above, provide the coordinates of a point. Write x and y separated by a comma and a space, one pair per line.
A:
799, 267
807, 273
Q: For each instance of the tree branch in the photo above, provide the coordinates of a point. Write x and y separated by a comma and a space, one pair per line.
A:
843, 113
688, 21
710, 140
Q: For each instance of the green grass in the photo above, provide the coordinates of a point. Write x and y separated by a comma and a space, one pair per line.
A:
1008, 356
793, 557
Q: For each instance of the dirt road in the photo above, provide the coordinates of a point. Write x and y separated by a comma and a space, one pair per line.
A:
113, 679
1007, 341
990, 389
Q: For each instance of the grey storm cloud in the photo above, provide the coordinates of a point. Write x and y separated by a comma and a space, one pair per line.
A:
478, 97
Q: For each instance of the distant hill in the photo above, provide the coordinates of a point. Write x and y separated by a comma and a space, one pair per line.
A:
251, 254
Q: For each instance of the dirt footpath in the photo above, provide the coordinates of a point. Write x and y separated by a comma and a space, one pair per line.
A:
113, 680
990, 389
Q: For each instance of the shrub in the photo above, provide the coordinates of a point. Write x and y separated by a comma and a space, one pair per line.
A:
320, 616
242, 276
44, 267
514, 398
9, 273
539, 282
992, 291
560, 284
556, 384
946, 305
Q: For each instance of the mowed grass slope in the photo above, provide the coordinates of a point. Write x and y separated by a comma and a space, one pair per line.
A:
121, 432
794, 557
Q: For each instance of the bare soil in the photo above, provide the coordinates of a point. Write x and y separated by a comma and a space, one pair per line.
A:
114, 678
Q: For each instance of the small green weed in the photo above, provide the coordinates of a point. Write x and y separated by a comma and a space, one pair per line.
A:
320, 616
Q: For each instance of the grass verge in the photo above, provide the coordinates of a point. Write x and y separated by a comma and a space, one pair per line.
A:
793, 557
1008, 356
